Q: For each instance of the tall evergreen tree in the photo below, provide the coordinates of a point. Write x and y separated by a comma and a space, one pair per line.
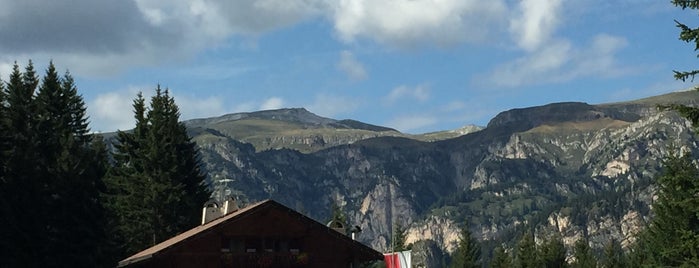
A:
156, 188
67, 157
399, 233
582, 254
673, 234
553, 253
614, 256
130, 224
6, 209
527, 256
468, 253
666, 242
52, 187
22, 182
500, 258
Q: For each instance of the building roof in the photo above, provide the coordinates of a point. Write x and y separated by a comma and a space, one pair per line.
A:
236, 215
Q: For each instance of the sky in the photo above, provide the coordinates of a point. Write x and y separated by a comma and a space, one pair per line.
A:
413, 65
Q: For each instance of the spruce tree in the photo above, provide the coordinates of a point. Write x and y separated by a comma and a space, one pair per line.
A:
6, 209
22, 185
614, 256
68, 157
51, 185
399, 233
665, 242
553, 252
582, 254
129, 225
500, 258
527, 256
673, 234
468, 253
156, 188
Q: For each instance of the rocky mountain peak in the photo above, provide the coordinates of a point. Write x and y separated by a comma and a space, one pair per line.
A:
572, 168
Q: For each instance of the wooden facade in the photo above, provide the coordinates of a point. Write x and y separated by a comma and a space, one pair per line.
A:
266, 234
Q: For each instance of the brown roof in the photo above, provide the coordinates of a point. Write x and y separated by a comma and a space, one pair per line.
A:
191, 233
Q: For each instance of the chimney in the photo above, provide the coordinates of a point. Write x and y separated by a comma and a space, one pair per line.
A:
337, 226
230, 206
210, 212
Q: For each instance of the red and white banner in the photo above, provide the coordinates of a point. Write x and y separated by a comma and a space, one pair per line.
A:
397, 259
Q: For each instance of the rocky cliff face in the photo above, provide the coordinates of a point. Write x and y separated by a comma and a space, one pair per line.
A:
572, 168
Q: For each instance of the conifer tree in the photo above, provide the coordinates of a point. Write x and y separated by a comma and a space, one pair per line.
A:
468, 253
614, 256
6, 209
666, 242
673, 234
156, 188
129, 225
21, 184
500, 258
51, 186
553, 252
582, 254
527, 256
67, 158
399, 233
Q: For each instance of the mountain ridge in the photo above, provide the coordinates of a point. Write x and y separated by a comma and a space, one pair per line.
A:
572, 168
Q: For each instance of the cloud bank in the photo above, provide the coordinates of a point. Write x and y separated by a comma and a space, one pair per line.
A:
105, 38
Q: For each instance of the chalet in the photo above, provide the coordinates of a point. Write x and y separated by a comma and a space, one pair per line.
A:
264, 234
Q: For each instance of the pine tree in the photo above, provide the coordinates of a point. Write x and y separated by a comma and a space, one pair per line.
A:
553, 252
4, 135
130, 224
613, 255
500, 258
51, 185
673, 234
582, 253
527, 256
22, 182
6, 208
689, 35
399, 233
468, 253
156, 188
666, 242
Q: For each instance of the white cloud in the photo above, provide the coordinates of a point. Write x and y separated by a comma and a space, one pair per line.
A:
193, 107
272, 103
534, 22
112, 111
403, 23
350, 66
454, 106
560, 61
331, 106
538, 67
410, 123
107, 37
549, 58
5, 70
419, 93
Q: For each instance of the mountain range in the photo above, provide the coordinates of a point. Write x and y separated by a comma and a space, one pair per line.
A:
575, 169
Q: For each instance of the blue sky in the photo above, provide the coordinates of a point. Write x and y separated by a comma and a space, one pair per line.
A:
414, 65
